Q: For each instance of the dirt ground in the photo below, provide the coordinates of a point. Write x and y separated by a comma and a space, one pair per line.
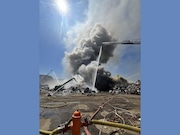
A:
58, 109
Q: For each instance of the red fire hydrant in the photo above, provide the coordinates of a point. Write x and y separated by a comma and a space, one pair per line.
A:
76, 123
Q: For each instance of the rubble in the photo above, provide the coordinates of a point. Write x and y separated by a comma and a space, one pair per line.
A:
131, 88
115, 85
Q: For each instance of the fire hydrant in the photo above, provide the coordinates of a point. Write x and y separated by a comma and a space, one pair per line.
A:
76, 123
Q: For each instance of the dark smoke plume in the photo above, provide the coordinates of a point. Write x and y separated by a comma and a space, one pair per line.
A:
104, 82
82, 60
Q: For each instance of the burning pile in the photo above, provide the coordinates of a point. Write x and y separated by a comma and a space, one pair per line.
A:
83, 59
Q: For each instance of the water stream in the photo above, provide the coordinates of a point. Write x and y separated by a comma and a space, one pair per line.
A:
95, 75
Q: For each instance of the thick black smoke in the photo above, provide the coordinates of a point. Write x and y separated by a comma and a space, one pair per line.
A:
83, 60
104, 82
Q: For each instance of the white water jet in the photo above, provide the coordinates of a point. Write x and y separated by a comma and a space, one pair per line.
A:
95, 75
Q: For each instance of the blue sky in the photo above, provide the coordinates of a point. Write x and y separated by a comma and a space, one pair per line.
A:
59, 32
51, 44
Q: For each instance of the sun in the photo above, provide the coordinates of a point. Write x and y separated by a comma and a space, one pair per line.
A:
62, 6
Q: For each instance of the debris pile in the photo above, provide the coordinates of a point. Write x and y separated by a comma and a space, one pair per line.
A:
130, 88
133, 89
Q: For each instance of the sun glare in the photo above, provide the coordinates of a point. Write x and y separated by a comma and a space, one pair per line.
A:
62, 6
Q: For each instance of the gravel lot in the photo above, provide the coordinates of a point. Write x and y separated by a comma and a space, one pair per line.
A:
58, 109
